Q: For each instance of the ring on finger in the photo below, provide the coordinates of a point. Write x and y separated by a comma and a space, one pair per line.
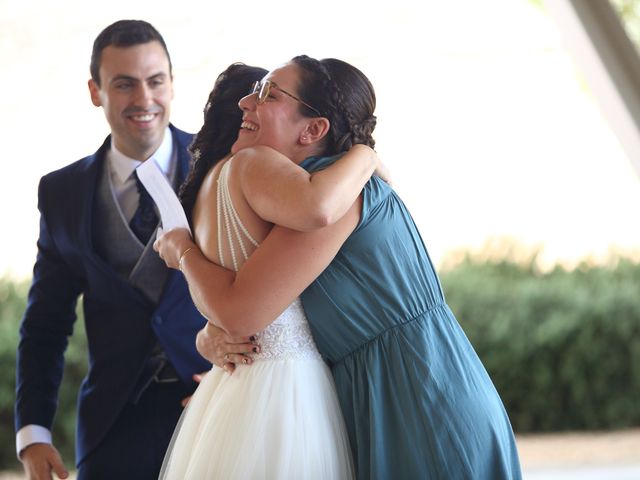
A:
226, 357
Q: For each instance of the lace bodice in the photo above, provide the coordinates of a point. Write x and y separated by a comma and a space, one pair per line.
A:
288, 337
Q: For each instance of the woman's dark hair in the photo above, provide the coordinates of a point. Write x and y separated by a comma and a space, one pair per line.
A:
344, 95
222, 119
123, 33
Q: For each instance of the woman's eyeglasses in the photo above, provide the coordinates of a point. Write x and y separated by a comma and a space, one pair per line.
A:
263, 89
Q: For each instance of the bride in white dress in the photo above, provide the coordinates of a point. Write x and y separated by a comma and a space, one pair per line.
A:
279, 417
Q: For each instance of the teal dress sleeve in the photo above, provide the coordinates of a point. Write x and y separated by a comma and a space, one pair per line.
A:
417, 401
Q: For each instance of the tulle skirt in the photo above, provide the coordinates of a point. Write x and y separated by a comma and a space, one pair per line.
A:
275, 419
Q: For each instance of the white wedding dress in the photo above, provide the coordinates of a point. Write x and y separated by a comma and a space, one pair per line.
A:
278, 418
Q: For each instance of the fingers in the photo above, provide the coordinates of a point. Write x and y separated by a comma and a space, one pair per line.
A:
237, 358
169, 243
231, 359
213, 344
185, 401
57, 465
237, 354
241, 348
240, 340
197, 377
384, 174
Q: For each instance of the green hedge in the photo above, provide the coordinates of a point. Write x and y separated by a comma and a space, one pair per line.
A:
562, 347
12, 304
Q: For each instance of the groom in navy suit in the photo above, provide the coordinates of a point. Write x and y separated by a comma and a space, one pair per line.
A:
97, 227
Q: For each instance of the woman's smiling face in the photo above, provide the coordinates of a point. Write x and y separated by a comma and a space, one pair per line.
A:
277, 122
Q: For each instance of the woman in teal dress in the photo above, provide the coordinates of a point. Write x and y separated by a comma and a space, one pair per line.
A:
416, 399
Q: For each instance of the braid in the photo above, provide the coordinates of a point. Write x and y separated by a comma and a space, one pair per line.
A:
357, 114
222, 119
362, 132
346, 140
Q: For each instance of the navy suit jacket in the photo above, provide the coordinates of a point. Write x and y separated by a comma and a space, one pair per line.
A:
122, 325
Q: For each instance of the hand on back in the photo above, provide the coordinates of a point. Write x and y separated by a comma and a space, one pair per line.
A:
224, 350
383, 172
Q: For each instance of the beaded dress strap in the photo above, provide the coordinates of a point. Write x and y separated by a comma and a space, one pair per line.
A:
236, 231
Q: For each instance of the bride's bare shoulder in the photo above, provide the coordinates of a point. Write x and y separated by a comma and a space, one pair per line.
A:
204, 212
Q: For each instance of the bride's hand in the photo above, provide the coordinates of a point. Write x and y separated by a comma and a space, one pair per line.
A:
382, 171
223, 350
172, 245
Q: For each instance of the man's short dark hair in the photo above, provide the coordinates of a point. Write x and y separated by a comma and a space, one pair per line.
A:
123, 33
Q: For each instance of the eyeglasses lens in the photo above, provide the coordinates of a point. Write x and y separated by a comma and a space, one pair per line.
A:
262, 89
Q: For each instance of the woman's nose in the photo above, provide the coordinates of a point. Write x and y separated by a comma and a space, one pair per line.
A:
248, 102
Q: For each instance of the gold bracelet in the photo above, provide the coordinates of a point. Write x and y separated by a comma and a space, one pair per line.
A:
182, 258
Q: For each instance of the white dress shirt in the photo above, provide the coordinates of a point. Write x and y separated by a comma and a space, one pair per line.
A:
123, 182
121, 170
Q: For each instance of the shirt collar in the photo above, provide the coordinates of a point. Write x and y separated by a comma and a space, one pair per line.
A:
124, 166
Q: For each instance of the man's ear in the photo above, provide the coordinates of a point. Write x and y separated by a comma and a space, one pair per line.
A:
316, 129
94, 90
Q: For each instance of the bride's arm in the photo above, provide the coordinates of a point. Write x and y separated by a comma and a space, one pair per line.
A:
286, 262
285, 194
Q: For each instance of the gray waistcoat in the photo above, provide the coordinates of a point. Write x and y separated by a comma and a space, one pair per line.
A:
114, 241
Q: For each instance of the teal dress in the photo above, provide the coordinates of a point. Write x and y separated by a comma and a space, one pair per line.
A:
417, 401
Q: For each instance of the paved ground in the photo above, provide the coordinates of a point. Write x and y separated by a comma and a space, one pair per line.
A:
581, 456
611, 472
566, 456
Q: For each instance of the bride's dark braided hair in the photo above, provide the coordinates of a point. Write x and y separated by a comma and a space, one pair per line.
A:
222, 119
344, 95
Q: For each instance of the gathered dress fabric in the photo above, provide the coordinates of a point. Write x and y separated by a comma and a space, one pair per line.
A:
417, 401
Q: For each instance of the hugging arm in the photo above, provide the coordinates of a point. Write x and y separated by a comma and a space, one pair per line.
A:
245, 302
285, 194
